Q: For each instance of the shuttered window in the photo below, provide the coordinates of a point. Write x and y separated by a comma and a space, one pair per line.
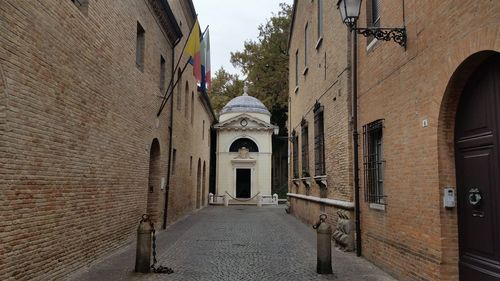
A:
319, 141
305, 149
295, 155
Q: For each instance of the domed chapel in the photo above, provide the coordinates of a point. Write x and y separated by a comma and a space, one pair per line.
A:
244, 148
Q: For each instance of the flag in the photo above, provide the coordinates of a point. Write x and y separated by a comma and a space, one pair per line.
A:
205, 61
193, 50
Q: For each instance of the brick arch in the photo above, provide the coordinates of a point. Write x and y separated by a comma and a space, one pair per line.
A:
154, 181
465, 66
198, 185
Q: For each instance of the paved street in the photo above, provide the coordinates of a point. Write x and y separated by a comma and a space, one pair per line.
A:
235, 243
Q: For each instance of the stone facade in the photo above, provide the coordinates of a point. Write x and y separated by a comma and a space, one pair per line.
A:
323, 80
244, 119
415, 91
83, 153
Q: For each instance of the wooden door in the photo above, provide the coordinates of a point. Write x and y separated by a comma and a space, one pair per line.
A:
477, 157
243, 183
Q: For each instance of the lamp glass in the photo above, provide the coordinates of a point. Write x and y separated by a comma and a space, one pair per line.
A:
349, 10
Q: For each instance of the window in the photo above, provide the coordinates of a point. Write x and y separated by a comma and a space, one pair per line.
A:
162, 74
139, 50
305, 149
305, 46
320, 20
375, 13
243, 142
203, 131
192, 108
319, 141
373, 162
179, 89
186, 100
174, 156
82, 5
295, 148
191, 165
297, 68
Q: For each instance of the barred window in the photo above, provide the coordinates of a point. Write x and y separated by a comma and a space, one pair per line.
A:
319, 141
373, 161
305, 148
295, 154
373, 13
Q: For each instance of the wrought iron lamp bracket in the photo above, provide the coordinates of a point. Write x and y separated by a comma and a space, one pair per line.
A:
397, 35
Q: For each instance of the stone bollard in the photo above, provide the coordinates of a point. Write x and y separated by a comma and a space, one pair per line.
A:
210, 198
143, 251
324, 251
259, 200
226, 200
275, 199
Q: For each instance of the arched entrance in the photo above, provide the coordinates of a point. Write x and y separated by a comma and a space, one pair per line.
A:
204, 184
198, 185
477, 164
154, 181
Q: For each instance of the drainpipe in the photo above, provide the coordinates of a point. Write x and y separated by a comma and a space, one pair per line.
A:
355, 135
170, 134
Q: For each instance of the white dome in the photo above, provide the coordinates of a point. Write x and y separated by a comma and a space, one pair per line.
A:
245, 103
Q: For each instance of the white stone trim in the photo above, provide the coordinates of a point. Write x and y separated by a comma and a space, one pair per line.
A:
332, 202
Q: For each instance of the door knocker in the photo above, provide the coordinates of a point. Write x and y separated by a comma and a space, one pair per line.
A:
475, 197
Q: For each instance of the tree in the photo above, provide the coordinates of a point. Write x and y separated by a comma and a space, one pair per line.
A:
265, 63
225, 86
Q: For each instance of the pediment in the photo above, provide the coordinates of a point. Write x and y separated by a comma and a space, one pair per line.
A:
244, 122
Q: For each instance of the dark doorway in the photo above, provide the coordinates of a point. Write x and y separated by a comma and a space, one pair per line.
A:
243, 183
154, 180
477, 134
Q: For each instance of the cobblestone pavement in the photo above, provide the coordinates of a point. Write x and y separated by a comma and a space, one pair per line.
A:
235, 243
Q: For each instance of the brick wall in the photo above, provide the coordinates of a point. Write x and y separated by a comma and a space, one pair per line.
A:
189, 140
327, 82
415, 238
77, 132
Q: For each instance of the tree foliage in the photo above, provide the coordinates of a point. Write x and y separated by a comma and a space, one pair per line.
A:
225, 86
265, 64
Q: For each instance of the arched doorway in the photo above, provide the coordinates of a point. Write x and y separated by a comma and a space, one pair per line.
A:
154, 181
477, 164
204, 184
198, 185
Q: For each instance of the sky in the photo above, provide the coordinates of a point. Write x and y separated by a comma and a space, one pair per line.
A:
232, 22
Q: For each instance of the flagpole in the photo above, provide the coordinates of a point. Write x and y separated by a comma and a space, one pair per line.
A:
166, 96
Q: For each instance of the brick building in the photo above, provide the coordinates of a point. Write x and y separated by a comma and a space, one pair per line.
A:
423, 133
319, 114
83, 153
429, 125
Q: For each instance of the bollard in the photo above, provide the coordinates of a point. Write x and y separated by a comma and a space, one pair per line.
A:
259, 200
324, 251
143, 252
226, 200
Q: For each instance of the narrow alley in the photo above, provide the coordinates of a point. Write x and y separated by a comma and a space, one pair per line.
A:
235, 243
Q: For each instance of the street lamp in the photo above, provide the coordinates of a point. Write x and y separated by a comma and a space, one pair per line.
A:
349, 12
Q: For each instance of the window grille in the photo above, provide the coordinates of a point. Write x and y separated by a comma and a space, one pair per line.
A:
375, 13
373, 162
295, 148
319, 141
305, 149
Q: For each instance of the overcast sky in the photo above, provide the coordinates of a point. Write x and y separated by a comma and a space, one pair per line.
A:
232, 22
